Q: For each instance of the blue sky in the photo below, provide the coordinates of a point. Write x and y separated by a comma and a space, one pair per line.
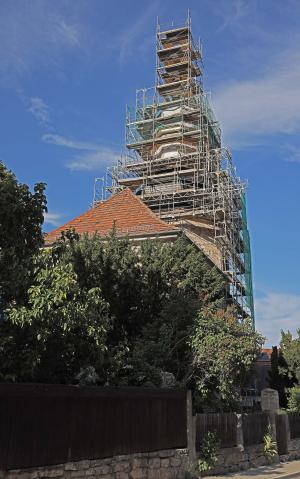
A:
68, 68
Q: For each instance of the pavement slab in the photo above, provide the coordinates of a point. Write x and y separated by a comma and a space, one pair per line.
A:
285, 470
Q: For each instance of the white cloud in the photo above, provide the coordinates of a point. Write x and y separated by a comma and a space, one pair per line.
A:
292, 154
127, 42
250, 110
68, 142
276, 312
92, 156
53, 219
35, 34
67, 33
232, 12
93, 161
40, 110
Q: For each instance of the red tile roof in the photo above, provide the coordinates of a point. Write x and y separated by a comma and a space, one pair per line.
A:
129, 214
267, 351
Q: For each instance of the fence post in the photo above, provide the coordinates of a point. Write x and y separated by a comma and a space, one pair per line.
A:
288, 430
191, 431
239, 432
270, 404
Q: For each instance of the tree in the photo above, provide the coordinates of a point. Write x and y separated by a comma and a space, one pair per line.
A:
278, 376
21, 218
290, 348
294, 399
102, 310
154, 294
224, 350
68, 324
151, 295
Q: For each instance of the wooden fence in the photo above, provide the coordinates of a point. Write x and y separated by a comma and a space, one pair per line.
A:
254, 427
223, 425
49, 424
294, 423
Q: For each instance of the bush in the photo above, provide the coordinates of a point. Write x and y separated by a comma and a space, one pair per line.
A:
208, 452
270, 446
294, 399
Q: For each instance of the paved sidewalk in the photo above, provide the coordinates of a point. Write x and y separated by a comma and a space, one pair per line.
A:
286, 470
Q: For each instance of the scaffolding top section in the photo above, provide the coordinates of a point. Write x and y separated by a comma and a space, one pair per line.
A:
171, 27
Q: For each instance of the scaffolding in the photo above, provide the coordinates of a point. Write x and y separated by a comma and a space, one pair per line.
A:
176, 164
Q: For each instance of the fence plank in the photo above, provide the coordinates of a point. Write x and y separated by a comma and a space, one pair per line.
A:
294, 422
223, 424
50, 424
254, 427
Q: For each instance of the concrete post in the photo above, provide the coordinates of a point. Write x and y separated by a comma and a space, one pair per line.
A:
191, 432
269, 400
270, 404
287, 428
239, 432
272, 421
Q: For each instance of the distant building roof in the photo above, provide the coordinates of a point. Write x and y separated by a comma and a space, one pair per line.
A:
125, 211
267, 351
264, 355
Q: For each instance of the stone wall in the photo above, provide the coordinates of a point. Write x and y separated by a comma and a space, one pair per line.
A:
168, 464
234, 459
294, 450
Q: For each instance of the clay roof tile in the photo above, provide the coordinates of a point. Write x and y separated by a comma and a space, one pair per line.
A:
124, 210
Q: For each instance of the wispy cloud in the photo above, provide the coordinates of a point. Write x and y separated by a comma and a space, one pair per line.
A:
34, 34
292, 154
275, 312
92, 156
68, 142
40, 110
67, 33
232, 12
94, 161
270, 104
53, 219
130, 40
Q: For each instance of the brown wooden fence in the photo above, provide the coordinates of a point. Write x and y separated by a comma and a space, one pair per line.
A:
49, 424
294, 422
224, 425
254, 427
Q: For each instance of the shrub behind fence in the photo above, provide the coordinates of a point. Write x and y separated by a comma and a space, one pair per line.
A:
223, 424
254, 427
49, 424
294, 422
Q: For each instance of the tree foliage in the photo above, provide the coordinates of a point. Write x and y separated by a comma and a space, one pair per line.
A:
290, 348
294, 399
224, 350
21, 217
278, 376
108, 312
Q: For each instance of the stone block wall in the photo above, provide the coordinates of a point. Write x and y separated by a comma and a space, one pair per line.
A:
294, 451
168, 464
234, 459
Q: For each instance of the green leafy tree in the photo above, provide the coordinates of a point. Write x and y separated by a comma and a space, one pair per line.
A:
21, 218
290, 348
68, 324
224, 350
105, 312
278, 376
294, 399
